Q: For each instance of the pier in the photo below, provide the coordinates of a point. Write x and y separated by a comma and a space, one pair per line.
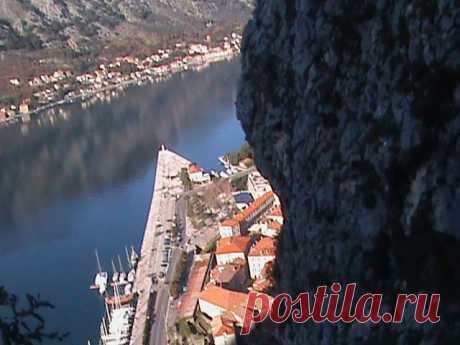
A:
151, 312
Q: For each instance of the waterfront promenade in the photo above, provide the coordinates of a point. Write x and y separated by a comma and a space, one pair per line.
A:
161, 218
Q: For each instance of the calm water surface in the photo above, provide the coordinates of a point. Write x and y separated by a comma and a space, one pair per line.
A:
82, 179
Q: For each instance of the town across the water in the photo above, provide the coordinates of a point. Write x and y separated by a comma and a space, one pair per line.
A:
66, 86
210, 239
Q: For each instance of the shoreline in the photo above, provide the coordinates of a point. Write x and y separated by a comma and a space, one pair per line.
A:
160, 217
65, 86
140, 81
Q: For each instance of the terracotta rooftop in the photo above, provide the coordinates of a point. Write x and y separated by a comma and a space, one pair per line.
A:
265, 247
232, 301
276, 212
275, 225
262, 284
194, 168
195, 284
254, 206
243, 215
225, 273
223, 325
229, 222
235, 244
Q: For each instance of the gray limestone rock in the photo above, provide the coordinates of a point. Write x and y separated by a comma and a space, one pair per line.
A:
353, 111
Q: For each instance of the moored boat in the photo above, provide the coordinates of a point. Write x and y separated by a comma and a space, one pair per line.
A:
101, 278
115, 276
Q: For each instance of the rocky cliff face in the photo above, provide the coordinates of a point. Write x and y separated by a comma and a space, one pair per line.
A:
353, 109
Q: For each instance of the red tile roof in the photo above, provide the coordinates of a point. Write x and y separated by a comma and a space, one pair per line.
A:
262, 284
229, 222
276, 212
225, 273
243, 215
235, 244
195, 284
275, 225
265, 247
194, 168
229, 300
223, 325
234, 303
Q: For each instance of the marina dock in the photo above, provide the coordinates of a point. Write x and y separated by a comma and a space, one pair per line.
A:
160, 219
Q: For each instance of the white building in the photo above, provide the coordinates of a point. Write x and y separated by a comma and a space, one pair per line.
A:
231, 248
215, 302
197, 49
242, 221
262, 252
258, 185
272, 229
210, 308
223, 331
225, 338
15, 82
229, 228
276, 215
197, 174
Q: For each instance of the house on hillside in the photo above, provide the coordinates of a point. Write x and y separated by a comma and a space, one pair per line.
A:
198, 277
242, 221
232, 276
223, 330
231, 248
197, 174
262, 252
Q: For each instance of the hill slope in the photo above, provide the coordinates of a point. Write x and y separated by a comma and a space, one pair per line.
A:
77, 24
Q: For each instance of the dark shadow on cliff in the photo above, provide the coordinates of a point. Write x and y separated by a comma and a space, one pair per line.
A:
353, 111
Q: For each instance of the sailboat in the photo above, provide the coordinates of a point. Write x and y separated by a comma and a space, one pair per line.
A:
128, 289
115, 275
122, 275
100, 281
132, 265
116, 325
134, 257
131, 276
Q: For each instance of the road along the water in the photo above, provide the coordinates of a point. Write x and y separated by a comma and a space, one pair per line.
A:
161, 219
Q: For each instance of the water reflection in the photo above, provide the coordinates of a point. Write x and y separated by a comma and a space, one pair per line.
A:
61, 155
81, 179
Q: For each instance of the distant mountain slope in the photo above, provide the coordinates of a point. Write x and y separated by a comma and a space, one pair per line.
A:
74, 24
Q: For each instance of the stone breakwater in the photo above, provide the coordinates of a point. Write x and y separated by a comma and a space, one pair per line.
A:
162, 211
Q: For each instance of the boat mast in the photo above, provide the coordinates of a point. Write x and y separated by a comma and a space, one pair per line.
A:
104, 331
98, 262
127, 257
117, 297
107, 311
119, 262
114, 268
133, 252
